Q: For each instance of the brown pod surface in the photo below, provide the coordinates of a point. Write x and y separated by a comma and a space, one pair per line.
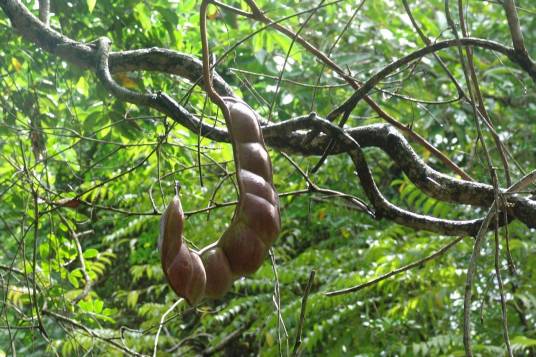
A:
244, 249
171, 226
255, 225
256, 220
218, 269
183, 268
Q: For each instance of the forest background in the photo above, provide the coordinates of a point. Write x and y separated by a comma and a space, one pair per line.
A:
85, 173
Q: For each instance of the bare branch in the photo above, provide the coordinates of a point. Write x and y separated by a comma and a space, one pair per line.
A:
402, 269
298, 342
515, 27
44, 11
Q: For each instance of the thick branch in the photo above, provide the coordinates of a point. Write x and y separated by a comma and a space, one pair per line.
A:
85, 55
286, 135
430, 49
384, 208
515, 27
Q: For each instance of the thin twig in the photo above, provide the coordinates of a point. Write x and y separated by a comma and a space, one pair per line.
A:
162, 320
260, 16
90, 332
504, 314
226, 340
80, 253
515, 27
407, 267
471, 267
297, 344
277, 303
44, 12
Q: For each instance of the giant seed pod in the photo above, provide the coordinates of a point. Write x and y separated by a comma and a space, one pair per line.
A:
255, 225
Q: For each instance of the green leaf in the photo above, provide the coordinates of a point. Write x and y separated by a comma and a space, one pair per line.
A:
73, 278
521, 342
141, 13
91, 5
91, 253
98, 306
132, 298
44, 250
284, 43
82, 86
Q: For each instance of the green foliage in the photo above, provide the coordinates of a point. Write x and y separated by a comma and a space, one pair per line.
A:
64, 137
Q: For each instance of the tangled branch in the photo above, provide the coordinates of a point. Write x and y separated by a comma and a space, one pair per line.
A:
311, 134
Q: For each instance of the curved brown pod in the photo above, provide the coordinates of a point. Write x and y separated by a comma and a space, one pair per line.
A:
255, 225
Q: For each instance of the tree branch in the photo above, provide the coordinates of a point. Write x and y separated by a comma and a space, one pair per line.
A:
290, 135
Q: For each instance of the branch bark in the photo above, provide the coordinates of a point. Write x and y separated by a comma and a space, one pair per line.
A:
292, 135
